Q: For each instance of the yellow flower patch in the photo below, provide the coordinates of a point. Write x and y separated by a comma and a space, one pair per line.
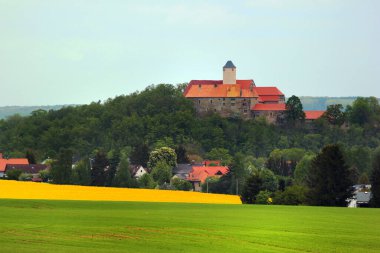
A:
29, 190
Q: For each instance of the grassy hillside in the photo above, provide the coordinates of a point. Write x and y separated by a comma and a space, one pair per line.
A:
84, 226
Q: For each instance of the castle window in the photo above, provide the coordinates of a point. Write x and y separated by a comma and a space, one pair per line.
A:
224, 103
214, 110
232, 104
245, 110
210, 101
224, 99
199, 101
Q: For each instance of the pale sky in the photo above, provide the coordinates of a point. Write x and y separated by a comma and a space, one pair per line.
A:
79, 51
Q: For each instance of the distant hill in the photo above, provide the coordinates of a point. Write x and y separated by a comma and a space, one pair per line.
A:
7, 111
321, 103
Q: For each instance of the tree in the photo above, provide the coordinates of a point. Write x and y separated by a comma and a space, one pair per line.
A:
220, 154
181, 184
329, 178
335, 115
302, 171
14, 174
375, 180
146, 181
99, 167
293, 195
113, 159
252, 188
264, 197
81, 173
61, 168
123, 175
140, 155
165, 155
162, 172
181, 154
30, 156
294, 111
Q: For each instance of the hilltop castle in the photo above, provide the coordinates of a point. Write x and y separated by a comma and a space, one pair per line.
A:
236, 98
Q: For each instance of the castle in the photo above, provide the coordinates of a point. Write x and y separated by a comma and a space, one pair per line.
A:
236, 98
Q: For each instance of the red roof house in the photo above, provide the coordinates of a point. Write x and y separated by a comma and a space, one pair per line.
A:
313, 115
12, 161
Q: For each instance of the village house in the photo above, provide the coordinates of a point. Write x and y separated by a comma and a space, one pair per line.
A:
12, 162
199, 174
137, 171
235, 98
311, 116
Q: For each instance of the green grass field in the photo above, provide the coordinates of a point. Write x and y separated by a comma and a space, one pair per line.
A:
85, 226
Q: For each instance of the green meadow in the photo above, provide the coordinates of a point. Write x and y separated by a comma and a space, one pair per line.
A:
92, 226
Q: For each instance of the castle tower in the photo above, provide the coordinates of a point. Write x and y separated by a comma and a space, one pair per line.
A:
229, 73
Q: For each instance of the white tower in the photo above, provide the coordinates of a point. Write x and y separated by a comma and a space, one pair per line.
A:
229, 73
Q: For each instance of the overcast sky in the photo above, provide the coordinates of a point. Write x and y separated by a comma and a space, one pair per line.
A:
77, 51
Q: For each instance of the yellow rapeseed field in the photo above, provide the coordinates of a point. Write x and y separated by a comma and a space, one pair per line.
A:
28, 190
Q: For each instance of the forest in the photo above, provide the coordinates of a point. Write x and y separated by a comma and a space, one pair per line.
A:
129, 127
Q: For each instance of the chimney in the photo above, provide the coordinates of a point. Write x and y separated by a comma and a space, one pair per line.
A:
1, 155
229, 73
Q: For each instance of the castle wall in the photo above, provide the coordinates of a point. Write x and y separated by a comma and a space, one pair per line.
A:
226, 107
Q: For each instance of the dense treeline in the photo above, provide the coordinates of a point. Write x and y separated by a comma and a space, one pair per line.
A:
160, 116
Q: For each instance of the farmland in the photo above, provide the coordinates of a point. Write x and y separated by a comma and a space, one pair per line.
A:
106, 226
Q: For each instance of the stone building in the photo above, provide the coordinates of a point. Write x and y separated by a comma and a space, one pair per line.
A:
235, 98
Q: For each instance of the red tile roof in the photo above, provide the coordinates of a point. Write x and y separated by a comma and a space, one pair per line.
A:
5, 162
199, 173
216, 88
269, 98
268, 91
269, 107
311, 115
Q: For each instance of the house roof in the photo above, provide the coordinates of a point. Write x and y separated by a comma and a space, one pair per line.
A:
363, 197
203, 172
266, 98
134, 168
28, 168
269, 107
219, 91
5, 162
311, 115
229, 65
268, 91
216, 88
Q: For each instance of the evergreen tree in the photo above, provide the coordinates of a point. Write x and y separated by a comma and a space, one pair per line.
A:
329, 178
294, 111
61, 168
375, 179
252, 188
114, 160
99, 168
30, 156
140, 155
181, 154
123, 175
